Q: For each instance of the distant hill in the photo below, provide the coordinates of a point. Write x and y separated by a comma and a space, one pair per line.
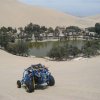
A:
95, 18
14, 13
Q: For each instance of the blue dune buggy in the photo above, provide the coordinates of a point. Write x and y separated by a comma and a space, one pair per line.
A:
36, 75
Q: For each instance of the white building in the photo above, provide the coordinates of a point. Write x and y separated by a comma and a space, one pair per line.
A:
92, 33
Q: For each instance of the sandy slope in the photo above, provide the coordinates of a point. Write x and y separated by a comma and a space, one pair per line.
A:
95, 18
14, 13
75, 80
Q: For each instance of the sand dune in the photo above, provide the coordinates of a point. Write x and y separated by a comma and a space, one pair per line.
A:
75, 80
95, 18
16, 14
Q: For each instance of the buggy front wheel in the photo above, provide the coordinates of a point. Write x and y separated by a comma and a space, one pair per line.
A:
30, 86
18, 84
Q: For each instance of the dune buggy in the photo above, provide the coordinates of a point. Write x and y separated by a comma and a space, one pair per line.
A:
36, 75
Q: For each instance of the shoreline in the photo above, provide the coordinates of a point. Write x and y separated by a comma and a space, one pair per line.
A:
50, 59
55, 40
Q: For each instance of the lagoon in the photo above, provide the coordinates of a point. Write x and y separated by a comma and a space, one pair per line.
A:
41, 49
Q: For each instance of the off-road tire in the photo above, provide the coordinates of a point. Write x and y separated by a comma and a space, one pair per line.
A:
18, 84
30, 86
51, 81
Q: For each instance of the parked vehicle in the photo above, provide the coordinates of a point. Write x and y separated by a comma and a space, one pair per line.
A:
36, 75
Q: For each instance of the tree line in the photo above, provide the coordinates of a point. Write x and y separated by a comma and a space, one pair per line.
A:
96, 28
16, 40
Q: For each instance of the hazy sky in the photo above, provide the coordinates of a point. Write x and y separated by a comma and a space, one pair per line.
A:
74, 7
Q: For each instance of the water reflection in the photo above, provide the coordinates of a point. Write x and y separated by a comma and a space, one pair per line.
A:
38, 45
40, 49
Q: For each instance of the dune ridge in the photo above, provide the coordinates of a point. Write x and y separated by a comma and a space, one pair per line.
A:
14, 13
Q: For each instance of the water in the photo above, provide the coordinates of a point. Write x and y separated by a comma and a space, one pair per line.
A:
41, 49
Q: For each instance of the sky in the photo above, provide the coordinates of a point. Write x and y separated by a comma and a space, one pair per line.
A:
74, 7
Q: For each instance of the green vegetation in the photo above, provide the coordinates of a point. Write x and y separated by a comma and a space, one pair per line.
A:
20, 48
6, 36
16, 41
90, 48
91, 29
64, 52
97, 28
73, 29
57, 53
7, 41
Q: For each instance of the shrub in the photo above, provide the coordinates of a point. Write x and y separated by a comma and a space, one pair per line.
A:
91, 48
63, 52
73, 51
19, 48
56, 53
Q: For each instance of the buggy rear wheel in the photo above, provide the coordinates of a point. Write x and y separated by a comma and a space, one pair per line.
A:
30, 86
18, 84
51, 81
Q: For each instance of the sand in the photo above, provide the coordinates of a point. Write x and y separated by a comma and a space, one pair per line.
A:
75, 80
78, 79
16, 14
95, 18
